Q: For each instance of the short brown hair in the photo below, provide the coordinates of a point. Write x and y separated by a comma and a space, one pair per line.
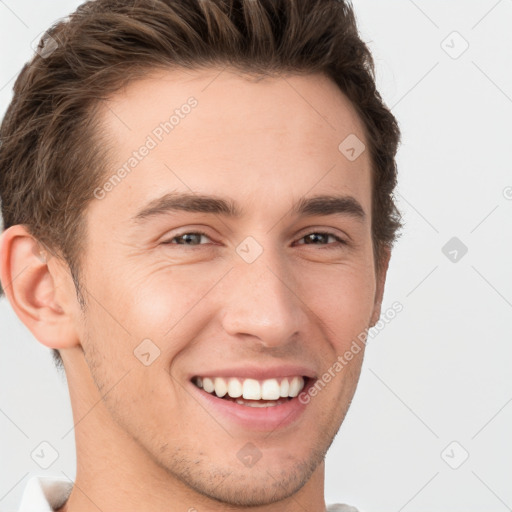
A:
50, 148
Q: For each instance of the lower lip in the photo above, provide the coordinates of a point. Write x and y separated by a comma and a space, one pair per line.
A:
269, 418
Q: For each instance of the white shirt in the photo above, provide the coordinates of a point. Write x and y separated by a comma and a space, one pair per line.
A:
47, 494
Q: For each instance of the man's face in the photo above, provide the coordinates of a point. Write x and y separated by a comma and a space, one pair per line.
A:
272, 293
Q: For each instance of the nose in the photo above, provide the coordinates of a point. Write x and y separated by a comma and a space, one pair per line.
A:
261, 302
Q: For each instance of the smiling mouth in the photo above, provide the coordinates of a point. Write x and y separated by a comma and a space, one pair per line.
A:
252, 392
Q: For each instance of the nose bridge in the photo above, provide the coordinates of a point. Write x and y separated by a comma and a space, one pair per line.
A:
260, 300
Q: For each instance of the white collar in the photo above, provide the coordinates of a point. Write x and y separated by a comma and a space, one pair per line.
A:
45, 494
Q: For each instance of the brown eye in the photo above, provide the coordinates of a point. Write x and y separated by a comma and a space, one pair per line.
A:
189, 239
321, 238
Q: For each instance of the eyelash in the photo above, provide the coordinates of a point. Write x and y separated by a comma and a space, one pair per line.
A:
339, 241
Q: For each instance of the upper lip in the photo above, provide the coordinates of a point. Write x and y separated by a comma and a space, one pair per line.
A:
258, 373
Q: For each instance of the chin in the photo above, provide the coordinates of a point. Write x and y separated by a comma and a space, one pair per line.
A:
277, 476
251, 487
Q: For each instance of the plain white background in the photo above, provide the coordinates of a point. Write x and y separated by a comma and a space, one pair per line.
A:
436, 385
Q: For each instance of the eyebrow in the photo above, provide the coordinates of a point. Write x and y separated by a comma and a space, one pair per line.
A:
195, 203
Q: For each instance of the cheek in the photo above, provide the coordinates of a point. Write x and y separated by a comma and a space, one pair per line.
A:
342, 298
167, 301
120, 374
155, 300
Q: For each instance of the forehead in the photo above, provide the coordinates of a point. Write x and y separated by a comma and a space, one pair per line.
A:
217, 131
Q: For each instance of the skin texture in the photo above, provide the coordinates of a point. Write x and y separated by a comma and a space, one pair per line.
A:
143, 442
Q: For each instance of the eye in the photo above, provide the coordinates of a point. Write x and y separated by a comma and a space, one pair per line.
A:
194, 238
190, 239
321, 236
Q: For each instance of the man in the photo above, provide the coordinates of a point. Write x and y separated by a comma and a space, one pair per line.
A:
198, 213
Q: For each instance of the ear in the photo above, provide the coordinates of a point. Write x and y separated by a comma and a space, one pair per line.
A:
37, 287
382, 269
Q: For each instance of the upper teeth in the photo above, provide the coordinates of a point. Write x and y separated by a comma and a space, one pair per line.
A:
251, 389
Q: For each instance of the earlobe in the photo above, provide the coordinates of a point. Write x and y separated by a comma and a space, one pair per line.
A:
31, 288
